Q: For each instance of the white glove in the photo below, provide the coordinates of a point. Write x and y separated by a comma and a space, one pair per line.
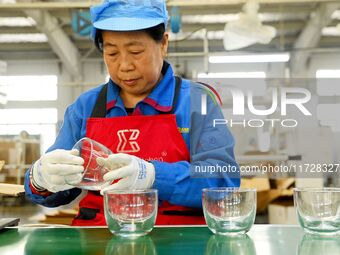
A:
135, 173
51, 170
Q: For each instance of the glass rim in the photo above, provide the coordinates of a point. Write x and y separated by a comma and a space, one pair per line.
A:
92, 142
325, 189
92, 151
228, 189
132, 191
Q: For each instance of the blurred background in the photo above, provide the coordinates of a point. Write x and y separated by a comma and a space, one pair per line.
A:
47, 60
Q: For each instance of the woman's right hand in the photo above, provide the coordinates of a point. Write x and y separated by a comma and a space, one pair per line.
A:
50, 171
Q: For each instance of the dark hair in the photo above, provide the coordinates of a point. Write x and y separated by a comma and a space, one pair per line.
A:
156, 33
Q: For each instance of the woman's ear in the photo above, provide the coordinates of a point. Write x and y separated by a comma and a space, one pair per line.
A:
165, 44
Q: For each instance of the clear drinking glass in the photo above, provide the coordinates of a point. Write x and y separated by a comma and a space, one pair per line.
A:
92, 177
229, 211
130, 213
318, 210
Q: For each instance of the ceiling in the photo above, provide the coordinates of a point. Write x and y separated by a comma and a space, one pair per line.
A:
302, 25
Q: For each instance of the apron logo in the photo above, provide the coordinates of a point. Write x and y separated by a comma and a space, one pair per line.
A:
127, 140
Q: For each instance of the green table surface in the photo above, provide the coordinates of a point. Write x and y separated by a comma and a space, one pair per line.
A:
261, 240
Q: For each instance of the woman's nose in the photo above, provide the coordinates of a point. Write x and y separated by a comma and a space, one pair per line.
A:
126, 64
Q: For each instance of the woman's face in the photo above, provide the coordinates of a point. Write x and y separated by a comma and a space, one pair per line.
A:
134, 60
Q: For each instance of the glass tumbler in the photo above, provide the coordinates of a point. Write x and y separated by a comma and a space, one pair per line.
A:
92, 177
130, 213
318, 210
229, 211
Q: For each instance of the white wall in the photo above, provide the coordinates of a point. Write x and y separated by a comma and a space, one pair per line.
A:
68, 90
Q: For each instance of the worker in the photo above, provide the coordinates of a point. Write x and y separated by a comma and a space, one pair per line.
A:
149, 118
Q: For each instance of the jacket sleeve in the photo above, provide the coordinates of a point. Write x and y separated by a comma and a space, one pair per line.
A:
212, 158
67, 137
53, 200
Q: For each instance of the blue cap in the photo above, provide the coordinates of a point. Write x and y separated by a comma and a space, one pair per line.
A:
128, 15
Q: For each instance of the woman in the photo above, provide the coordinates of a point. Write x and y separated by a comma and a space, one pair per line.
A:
151, 109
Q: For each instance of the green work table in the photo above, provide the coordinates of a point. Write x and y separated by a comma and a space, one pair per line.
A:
261, 240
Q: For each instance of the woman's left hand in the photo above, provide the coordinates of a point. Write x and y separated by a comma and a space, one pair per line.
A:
134, 172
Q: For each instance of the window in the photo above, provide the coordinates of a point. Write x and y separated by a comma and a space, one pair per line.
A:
23, 37
28, 116
35, 121
335, 73
29, 88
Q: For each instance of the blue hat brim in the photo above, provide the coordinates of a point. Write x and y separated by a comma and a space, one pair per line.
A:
127, 24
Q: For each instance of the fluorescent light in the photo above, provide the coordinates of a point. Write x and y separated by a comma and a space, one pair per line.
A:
224, 18
331, 31
336, 14
328, 73
210, 18
259, 58
19, 38
233, 75
211, 35
17, 22
8, 1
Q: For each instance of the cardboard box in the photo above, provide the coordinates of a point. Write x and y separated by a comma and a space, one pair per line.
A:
32, 152
262, 186
268, 190
11, 189
7, 147
14, 156
282, 212
64, 217
12, 152
13, 180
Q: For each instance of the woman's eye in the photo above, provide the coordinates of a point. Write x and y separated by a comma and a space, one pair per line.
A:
112, 54
136, 52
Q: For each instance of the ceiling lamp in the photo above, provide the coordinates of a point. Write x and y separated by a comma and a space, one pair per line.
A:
248, 29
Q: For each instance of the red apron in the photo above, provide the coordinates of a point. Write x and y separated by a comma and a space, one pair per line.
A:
154, 137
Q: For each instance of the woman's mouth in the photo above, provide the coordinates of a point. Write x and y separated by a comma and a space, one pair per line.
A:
130, 82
